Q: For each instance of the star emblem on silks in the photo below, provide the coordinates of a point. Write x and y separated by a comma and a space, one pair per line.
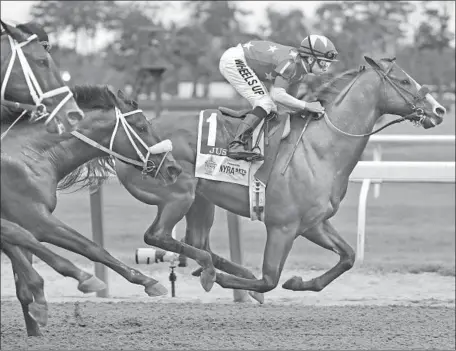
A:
293, 54
272, 48
269, 76
248, 45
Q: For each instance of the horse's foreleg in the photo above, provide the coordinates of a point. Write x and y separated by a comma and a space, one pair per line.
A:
29, 289
14, 234
278, 245
325, 236
200, 219
48, 228
159, 235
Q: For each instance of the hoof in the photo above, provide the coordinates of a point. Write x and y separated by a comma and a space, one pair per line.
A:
182, 261
39, 312
92, 284
294, 283
155, 289
207, 279
257, 296
197, 272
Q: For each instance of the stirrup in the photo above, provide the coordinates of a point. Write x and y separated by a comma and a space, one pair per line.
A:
246, 155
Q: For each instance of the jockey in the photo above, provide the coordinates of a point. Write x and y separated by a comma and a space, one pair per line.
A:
248, 66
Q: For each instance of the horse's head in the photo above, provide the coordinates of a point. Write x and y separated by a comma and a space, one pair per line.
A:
32, 81
403, 96
123, 128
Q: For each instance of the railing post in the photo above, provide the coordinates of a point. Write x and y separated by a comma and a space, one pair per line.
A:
236, 251
96, 211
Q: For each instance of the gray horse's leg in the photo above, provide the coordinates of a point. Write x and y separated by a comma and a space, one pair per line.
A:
278, 245
159, 235
327, 237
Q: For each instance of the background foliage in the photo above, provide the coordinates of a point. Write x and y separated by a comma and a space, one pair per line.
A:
193, 47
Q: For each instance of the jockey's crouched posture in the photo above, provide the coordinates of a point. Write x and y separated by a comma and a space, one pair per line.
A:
247, 66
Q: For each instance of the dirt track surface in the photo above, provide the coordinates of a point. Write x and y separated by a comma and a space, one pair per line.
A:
173, 326
358, 311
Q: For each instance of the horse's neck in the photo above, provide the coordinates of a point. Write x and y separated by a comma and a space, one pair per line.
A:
34, 145
70, 154
355, 114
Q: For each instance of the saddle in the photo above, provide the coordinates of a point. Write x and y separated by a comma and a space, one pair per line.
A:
233, 113
266, 136
274, 119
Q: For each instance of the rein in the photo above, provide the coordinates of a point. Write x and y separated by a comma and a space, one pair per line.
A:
147, 165
39, 110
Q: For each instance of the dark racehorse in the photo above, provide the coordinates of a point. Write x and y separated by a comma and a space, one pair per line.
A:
30, 86
33, 163
301, 196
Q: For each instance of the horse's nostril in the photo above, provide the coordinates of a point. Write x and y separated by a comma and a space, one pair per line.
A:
440, 111
75, 116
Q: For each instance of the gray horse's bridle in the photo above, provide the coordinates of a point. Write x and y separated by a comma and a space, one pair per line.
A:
39, 110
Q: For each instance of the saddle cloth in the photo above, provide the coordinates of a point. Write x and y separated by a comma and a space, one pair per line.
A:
215, 132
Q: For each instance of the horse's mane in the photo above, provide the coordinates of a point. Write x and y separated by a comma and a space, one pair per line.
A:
94, 96
327, 92
94, 172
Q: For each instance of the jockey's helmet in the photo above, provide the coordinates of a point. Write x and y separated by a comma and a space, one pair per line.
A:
319, 47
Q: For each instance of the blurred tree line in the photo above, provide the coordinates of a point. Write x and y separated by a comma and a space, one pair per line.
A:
192, 47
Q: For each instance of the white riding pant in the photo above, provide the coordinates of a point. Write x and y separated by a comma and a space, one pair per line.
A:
234, 68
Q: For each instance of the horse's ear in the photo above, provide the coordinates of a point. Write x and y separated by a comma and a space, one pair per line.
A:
15, 33
374, 64
4, 26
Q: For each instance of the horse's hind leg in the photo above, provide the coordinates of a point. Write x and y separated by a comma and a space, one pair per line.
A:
200, 219
14, 234
29, 290
325, 236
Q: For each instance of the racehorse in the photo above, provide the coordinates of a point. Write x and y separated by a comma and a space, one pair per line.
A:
308, 180
30, 80
35, 161
27, 70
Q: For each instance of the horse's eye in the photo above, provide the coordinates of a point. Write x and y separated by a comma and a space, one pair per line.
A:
405, 81
42, 62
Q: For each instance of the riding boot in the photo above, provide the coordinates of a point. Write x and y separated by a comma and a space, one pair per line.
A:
237, 148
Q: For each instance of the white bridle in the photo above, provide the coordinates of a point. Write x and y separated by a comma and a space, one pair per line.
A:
148, 166
35, 90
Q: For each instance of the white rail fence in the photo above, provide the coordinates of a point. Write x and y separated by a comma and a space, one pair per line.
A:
367, 172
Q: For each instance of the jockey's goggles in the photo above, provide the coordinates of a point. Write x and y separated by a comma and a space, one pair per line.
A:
330, 55
323, 64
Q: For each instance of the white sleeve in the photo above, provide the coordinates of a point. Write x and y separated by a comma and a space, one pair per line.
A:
282, 97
